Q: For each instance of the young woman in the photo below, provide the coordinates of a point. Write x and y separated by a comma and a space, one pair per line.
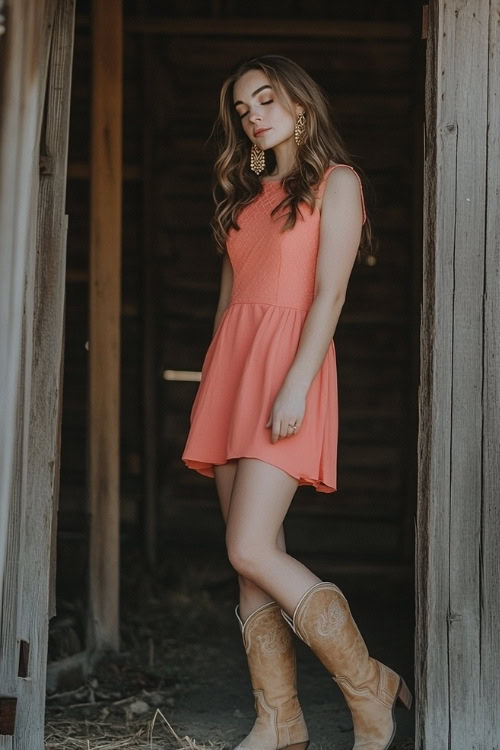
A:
290, 221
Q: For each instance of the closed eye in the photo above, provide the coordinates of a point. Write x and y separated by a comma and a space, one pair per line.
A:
246, 113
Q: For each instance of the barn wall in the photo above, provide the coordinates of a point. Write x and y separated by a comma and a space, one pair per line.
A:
370, 80
370, 74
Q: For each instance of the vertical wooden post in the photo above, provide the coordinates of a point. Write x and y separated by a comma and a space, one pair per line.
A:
23, 74
39, 60
22, 81
458, 526
105, 295
149, 370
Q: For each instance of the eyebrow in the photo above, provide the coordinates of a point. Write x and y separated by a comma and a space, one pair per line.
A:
266, 86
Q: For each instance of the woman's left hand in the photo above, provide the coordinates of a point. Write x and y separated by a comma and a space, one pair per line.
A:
288, 409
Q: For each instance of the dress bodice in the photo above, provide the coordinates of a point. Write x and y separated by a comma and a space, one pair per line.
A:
271, 266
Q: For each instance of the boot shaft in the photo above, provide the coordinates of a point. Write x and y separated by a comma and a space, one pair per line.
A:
270, 647
323, 620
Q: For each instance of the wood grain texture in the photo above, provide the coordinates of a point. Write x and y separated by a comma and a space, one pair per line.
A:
49, 267
20, 91
25, 60
456, 704
105, 296
489, 540
43, 58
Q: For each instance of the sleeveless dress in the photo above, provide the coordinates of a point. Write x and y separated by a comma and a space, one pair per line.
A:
255, 344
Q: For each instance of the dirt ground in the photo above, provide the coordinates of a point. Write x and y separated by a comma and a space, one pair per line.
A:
181, 653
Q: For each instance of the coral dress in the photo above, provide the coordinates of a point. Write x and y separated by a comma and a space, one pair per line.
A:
254, 346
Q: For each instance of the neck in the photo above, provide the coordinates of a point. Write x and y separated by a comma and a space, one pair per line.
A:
285, 153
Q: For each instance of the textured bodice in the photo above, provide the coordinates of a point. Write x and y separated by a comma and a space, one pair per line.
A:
274, 267
270, 266
254, 346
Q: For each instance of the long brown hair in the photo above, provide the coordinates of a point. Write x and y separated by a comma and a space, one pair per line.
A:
235, 184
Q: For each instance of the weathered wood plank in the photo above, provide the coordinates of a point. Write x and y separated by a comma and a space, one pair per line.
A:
453, 583
52, 610
105, 299
49, 265
465, 98
36, 231
20, 91
22, 87
431, 695
489, 561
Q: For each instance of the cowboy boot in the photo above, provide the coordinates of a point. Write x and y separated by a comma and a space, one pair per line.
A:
323, 620
270, 648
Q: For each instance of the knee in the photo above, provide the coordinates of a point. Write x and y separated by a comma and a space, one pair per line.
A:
248, 588
244, 558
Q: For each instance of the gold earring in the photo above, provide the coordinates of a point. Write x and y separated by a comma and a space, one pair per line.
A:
300, 129
257, 159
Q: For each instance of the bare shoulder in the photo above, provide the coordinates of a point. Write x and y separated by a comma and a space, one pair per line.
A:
342, 184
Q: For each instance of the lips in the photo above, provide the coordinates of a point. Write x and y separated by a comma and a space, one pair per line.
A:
261, 131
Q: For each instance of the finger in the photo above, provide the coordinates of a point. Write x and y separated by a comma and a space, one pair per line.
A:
275, 430
284, 427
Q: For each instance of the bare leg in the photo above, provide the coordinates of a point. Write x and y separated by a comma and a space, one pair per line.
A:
260, 499
270, 648
251, 595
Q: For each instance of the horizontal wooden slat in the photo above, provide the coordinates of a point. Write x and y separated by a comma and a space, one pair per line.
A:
258, 27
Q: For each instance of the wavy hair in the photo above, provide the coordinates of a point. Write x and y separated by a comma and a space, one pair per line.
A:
235, 185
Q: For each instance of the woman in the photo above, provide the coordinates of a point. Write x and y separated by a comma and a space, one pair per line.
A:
265, 416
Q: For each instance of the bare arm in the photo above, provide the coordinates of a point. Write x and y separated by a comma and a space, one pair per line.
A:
340, 234
226, 285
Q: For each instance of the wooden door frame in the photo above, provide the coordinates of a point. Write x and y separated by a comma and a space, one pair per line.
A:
458, 525
36, 85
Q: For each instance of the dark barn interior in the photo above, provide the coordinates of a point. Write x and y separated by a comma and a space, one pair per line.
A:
368, 56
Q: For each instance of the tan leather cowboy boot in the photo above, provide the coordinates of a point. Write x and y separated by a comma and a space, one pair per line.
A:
323, 620
270, 648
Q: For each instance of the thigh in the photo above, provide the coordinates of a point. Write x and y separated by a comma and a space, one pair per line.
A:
260, 499
224, 480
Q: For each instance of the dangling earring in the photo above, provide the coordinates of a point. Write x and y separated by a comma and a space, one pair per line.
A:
257, 159
300, 129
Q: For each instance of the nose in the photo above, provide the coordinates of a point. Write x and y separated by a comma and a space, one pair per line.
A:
254, 117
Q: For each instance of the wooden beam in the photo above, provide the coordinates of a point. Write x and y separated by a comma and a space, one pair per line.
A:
272, 27
458, 527
105, 296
